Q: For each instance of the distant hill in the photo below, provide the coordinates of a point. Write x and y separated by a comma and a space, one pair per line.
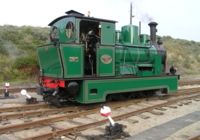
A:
18, 59
185, 55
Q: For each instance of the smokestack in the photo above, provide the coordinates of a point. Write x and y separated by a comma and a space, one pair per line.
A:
153, 31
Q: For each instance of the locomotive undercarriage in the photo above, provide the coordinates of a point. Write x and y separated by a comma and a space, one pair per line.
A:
60, 96
55, 97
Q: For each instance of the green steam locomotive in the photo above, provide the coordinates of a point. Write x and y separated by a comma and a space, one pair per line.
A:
88, 61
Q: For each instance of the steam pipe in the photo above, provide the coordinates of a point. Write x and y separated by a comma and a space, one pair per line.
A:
139, 27
131, 16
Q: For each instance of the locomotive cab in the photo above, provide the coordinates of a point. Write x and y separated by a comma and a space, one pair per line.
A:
91, 36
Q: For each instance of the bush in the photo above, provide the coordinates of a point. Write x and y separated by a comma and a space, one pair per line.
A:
18, 51
27, 66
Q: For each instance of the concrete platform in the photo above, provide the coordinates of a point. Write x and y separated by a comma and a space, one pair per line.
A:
165, 130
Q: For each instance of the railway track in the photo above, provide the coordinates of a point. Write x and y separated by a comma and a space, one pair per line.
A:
34, 88
189, 82
23, 107
69, 113
45, 109
79, 128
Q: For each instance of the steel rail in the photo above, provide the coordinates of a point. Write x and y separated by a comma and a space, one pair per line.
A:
189, 82
34, 88
187, 91
36, 106
42, 112
63, 117
75, 129
23, 107
50, 111
86, 110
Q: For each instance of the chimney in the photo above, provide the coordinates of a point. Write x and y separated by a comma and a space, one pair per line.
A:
153, 31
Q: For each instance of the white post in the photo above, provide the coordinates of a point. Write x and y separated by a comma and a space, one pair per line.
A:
111, 121
106, 111
7, 85
24, 93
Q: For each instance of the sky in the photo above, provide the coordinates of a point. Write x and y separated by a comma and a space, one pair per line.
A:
175, 18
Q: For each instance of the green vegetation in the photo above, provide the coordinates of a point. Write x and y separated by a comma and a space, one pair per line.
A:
185, 55
18, 59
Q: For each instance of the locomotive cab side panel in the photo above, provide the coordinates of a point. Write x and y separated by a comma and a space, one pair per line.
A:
72, 56
52, 67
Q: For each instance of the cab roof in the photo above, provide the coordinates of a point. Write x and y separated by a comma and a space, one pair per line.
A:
76, 14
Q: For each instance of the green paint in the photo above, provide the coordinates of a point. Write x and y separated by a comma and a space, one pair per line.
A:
106, 61
130, 35
144, 39
96, 90
61, 25
53, 66
72, 56
140, 61
107, 33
